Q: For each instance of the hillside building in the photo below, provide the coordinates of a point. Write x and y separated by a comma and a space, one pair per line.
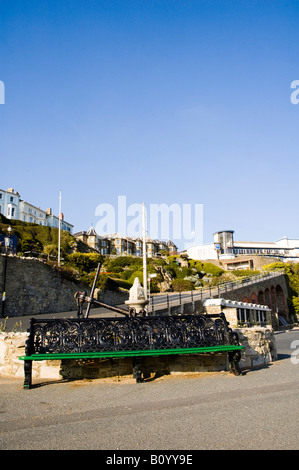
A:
233, 253
116, 244
15, 208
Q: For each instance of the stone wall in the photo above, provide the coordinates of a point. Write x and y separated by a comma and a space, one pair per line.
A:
111, 297
260, 350
33, 287
272, 292
12, 345
258, 341
259, 344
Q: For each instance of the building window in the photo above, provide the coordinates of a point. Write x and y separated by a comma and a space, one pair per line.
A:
242, 315
260, 316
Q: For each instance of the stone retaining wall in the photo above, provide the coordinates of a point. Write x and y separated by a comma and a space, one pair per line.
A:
259, 344
260, 350
33, 287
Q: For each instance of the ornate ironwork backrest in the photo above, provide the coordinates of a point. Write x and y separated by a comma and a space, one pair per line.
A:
128, 334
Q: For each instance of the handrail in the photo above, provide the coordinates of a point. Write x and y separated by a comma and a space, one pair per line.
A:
179, 298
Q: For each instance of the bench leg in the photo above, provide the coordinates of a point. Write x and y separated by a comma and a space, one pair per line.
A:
27, 374
234, 358
137, 370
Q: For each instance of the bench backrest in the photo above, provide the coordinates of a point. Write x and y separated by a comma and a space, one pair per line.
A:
128, 334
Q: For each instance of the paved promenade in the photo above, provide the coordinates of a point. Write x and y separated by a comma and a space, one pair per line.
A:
259, 410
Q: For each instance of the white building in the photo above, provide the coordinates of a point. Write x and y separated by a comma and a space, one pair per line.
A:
9, 203
15, 208
29, 213
53, 221
225, 247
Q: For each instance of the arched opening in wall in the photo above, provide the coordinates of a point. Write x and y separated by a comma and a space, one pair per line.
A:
267, 298
253, 298
281, 301
273, 299
245, 299
261, 298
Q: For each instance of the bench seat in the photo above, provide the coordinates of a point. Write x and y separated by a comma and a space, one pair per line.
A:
139, 353
229, 348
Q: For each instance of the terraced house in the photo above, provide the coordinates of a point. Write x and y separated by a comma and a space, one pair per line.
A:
15, 208
116, 244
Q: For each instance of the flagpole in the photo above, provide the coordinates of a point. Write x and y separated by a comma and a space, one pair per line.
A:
59, 228
144, 254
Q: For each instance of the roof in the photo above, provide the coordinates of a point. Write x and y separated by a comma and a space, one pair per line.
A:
234, 303
92, 231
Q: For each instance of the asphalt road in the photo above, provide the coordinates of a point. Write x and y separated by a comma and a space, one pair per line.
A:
211, 411
22, 323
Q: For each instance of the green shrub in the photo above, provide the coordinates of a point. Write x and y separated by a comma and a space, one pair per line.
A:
212, 269
135, 274
123, 261
34, 237
104, 282
122, 283
181, 272
127, 273
30, 244
85, 263
294, 307
181, 285
195, 280
198, 265
170, 270
245, 272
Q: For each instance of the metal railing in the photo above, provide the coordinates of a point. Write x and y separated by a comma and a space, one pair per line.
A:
166, 301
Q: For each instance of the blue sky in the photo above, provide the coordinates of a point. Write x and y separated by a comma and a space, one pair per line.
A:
182, 101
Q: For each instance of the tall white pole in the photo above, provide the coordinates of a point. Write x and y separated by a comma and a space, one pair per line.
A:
144, 253
59, 228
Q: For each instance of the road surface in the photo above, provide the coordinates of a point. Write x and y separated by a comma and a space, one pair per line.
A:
259, 410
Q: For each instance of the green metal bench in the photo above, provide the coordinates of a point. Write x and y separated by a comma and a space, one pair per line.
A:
135, 337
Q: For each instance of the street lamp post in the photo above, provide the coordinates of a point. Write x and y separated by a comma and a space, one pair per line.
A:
7, 248
7, 240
